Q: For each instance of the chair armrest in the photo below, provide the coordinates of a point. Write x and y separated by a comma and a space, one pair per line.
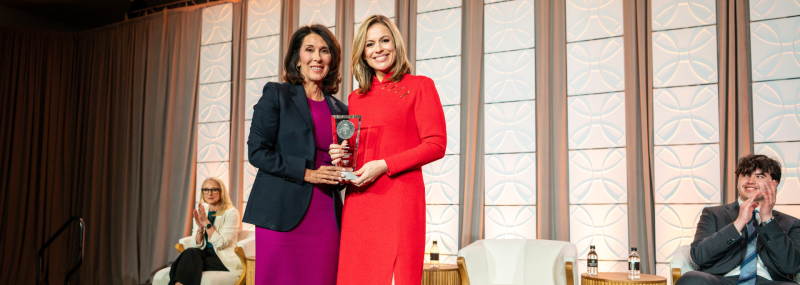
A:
681, 262
187, 242
242, 277
462, 270
568, 268
248, 246
475, 263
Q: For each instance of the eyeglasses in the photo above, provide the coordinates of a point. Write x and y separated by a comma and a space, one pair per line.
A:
209, 190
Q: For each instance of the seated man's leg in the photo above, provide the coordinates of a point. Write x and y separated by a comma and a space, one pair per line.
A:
699, 277
763, 281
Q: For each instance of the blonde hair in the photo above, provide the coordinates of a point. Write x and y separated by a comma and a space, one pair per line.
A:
224, 198
361, 70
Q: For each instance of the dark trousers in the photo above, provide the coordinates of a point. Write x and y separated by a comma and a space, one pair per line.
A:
189, 266
698, 277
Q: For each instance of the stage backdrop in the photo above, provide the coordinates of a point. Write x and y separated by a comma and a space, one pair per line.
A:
607, 123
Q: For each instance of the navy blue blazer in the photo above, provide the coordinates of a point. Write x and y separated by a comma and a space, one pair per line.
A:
281, 145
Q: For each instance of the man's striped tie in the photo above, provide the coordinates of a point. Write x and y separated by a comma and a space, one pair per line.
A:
747, 275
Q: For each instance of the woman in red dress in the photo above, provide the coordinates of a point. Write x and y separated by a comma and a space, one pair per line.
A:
402, 129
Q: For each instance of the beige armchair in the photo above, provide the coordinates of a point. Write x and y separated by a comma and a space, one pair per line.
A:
524, 262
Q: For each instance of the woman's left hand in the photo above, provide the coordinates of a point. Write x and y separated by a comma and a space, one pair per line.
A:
369, 172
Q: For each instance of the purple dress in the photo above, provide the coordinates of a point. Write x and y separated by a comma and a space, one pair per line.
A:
309, 253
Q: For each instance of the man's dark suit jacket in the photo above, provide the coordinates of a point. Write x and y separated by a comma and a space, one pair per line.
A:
718, 248
281, 145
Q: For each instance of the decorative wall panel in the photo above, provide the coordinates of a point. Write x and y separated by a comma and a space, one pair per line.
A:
250, 173
788, 154
446, 74
598, 176
433, 5
687, 174
262, 57
439, 34
318, 12
214, 102
510, 179
452, 117
686, 115
366, 8
776, 111
217, 23
263, 18
442, 226
604, 226
510, 222
596, 121
675, 227
768, 9
510, 127
593, 19
213, 142
441, 180
247, 125
595, 66
215, 63
509, 76
685, 57
671, 14
508, 26
774, 49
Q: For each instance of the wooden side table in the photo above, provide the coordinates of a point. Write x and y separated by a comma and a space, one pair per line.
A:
251, 272
615, 278
446, 274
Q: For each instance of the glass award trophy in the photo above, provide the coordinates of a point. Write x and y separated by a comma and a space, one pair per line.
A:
347, 127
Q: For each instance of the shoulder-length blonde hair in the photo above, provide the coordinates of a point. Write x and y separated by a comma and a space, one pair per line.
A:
224, 198
361, 70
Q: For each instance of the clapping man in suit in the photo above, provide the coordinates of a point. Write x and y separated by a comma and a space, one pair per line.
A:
747, 242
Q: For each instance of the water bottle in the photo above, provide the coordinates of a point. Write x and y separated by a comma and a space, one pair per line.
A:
633, 265
591, 262
434, 255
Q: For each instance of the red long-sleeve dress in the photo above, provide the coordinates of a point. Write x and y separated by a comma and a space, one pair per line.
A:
383, 223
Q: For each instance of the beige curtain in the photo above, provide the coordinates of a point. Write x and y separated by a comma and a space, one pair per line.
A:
39, 105
99, 124
552, 203
639, 129
735, 90
471, 198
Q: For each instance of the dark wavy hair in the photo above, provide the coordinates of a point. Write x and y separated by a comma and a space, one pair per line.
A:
331, 81
750, 163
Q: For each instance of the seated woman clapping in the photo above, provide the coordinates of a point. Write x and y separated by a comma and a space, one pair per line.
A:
214, 237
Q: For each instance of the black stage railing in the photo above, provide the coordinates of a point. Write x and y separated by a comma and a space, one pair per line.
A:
50, 241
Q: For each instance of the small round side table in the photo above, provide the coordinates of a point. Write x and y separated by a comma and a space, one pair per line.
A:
614, 278
446, 274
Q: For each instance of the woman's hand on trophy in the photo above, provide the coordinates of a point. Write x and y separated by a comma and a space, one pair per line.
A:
324, 175
338, 151
369, 172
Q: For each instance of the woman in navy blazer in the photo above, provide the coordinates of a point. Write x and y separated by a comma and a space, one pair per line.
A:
295, 202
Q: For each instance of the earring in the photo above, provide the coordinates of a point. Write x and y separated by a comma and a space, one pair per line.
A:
298, 68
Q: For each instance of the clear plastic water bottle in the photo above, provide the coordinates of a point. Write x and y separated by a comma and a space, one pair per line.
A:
591, 262
434, 255
633, 265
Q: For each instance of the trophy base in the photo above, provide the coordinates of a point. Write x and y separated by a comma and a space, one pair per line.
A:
348, 175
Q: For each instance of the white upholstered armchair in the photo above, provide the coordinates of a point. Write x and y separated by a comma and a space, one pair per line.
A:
523, 262
245, 248
682, 262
